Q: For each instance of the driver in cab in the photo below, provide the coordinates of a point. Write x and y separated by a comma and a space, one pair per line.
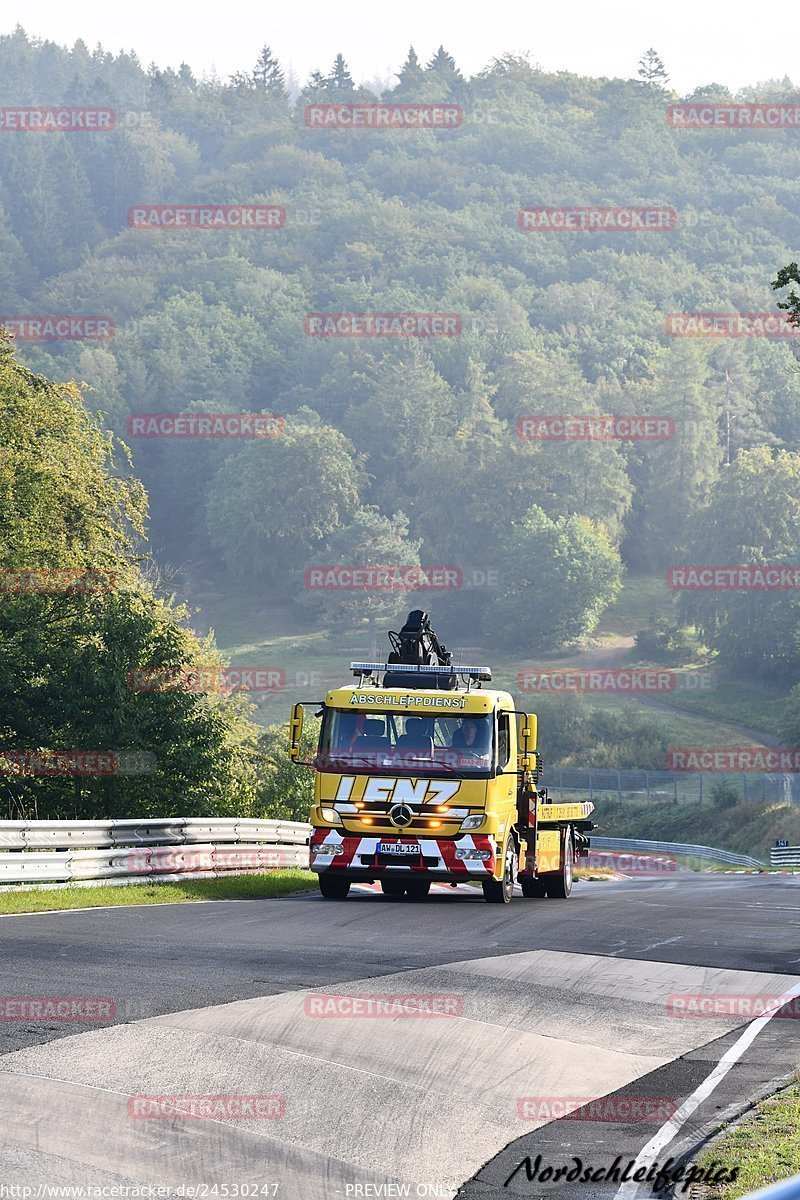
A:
471, 739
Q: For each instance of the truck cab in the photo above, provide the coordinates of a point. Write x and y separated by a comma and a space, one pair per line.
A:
423, 775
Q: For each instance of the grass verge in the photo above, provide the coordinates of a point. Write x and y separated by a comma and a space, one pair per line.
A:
758, 705
764, 1147
238, 887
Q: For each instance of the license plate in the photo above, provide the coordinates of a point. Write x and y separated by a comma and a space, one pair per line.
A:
398, 848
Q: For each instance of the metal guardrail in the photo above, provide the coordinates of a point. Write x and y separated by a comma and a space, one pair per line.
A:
707, 853
169, 848
785, 856
174, 848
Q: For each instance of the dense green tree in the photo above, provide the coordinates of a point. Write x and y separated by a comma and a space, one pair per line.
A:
652, 70
584, 476
672, 477
78, 617
369, 541
409, 408
340, 81
752, 518
410, 79
561, 575
443, 71
274, 500
268, 77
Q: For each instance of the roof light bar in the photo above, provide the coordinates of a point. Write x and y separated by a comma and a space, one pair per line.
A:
482, 673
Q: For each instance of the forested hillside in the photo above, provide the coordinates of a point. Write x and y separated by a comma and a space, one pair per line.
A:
406, 450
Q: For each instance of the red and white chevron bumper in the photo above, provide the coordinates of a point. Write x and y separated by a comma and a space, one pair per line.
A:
371, 857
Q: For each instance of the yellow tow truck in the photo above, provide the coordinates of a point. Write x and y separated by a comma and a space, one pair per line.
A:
423, 775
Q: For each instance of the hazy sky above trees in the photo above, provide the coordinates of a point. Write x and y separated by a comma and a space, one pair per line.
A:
734, 43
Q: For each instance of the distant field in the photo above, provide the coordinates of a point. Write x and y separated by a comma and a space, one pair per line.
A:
643, 599
754, 705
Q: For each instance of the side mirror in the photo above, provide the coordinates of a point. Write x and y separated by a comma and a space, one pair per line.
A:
296, 731
528, 730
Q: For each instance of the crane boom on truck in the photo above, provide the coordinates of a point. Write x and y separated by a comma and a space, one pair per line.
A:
422, 774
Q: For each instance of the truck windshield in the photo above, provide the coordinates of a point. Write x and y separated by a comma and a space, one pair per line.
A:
406, 744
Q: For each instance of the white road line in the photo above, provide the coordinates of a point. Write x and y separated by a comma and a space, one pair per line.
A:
671, 1128
666, 942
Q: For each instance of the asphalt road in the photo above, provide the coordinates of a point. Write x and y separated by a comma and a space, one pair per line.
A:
559, 999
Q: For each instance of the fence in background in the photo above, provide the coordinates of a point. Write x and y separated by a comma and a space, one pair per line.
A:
675, 786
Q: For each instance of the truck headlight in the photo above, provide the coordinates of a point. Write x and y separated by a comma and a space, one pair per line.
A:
473, 822
467, 853
331, 816
327, 848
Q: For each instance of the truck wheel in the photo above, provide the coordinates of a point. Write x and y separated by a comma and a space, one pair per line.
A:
392, 887
418, 889
533, 889
500, 891
559, 884
334, 888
